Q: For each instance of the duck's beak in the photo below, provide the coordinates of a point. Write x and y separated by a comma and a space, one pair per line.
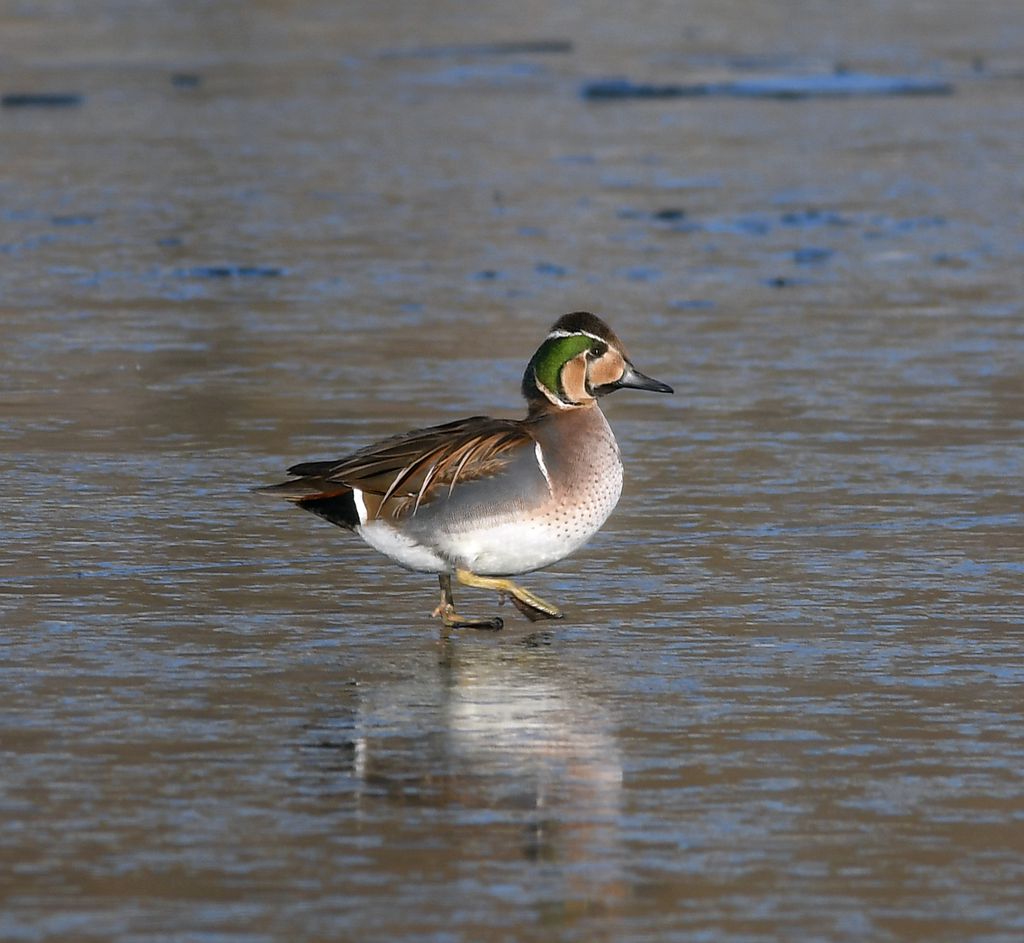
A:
633, 379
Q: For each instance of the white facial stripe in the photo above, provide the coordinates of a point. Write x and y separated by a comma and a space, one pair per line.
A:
555, 334
551, 397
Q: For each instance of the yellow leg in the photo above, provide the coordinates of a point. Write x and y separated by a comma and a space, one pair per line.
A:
451, 619
531, 606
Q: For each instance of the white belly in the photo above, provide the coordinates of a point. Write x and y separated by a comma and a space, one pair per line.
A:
402, 549
517, 547
503, 548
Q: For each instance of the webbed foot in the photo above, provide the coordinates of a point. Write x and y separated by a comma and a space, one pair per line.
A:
529, 604
452, 620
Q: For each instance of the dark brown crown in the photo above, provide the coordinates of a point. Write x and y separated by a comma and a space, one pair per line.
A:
588, 323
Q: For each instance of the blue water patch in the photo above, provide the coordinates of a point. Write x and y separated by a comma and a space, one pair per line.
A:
642, 273
752, 225
691, 304
921, 222
869, 227
495, 75
812, 255
586, 160
812, 217
73, 219
550, 268
671, 182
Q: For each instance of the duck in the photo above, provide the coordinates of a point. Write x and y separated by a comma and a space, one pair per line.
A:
484, 499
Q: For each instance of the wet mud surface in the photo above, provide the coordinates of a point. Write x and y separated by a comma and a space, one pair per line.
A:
785, 702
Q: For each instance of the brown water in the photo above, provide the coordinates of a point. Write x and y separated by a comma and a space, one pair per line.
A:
786, 703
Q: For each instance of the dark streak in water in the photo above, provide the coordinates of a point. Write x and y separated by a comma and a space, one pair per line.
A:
186, 80
231, 271
41, 100
526, 47
774, 87
812, 217
79, 219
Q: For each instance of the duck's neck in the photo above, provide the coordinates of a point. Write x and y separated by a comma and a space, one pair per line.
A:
541, 407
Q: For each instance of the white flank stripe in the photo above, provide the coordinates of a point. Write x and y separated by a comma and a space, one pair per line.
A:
543, 467
357, 496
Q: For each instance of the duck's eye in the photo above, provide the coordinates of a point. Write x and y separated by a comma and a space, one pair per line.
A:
598, 350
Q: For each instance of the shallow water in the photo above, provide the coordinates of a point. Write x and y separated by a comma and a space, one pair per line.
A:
786, 700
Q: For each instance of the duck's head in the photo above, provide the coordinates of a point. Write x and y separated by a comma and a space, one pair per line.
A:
580, 360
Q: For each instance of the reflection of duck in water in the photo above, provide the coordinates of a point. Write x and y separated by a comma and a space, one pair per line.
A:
515, 763
483, 499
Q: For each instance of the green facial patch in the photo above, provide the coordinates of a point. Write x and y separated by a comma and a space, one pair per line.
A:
554, 354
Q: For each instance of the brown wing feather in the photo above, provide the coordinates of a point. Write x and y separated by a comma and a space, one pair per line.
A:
409, 470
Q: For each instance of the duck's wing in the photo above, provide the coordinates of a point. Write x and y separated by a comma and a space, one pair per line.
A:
397, 476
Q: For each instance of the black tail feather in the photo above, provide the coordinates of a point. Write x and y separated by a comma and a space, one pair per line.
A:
339, 509
312, 469
330, 500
